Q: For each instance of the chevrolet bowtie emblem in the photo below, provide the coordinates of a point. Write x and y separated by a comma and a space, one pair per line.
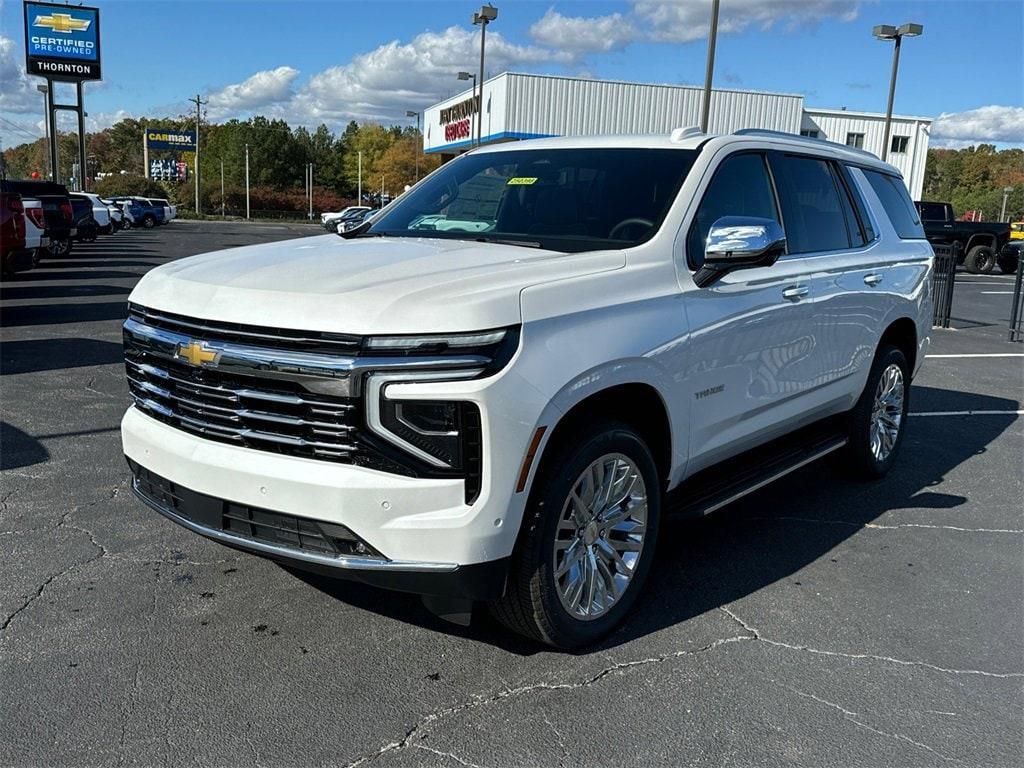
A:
63, 22
196, 353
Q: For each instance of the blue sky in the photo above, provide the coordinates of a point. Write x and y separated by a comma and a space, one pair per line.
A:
314, 62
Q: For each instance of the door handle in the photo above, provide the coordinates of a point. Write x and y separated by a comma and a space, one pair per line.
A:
872, 279
795, 293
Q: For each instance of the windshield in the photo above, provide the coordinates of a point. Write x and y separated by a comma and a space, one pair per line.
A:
558, 199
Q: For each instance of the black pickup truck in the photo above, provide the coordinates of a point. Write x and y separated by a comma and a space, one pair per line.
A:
981, 242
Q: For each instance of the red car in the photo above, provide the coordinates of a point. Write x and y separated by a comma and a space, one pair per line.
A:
14, 256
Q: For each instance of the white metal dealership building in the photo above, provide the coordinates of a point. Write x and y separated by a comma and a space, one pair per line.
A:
518, 106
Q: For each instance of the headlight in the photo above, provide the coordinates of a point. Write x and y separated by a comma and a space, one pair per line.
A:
435, 341
443, 435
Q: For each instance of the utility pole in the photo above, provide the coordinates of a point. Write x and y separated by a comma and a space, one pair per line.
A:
310, 171
359, 200
709, 72
419, 139
222, 189
382, 190
247, 181
199, 103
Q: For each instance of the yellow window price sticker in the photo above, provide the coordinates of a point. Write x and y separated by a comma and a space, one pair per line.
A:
519, 180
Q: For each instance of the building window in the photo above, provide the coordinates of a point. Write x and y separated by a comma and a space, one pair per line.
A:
811, 134
855, 140
899, 143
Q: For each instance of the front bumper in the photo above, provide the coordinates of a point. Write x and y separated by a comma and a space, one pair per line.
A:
430, 540
205, 515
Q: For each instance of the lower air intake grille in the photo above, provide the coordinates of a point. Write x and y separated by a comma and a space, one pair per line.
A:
277, 528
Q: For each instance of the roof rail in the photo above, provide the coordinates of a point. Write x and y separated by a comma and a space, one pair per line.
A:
794, 137
680, 134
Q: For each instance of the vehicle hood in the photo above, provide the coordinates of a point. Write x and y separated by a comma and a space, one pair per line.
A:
363, 285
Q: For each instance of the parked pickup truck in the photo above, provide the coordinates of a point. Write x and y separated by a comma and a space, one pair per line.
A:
503, 412
981, 242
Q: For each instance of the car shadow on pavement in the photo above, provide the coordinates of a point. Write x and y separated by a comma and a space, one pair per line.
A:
34, 355
59, 291
19, 449
59, 314
704, 564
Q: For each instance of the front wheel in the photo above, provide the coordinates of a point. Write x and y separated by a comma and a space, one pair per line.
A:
877, 421
980, 260
587, 541
1008, 264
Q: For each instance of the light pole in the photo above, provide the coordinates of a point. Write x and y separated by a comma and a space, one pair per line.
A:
1007, 191
889, 32
419, 140
705, 113
222, 189
247, 181
485, 16
43, 89
470, 76
359, 198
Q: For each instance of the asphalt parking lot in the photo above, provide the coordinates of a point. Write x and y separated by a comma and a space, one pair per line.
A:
817, 622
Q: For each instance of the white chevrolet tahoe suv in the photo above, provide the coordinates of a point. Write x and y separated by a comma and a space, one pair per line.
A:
503, 409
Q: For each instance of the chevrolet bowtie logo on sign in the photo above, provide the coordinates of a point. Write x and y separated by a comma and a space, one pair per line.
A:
63, 22
196, 353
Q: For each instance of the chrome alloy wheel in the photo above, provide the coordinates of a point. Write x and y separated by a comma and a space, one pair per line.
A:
887, 413
600, 536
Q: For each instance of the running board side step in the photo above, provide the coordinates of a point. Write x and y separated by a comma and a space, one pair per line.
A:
715, 487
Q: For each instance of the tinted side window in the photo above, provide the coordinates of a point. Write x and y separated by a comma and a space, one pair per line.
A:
897, 203
858, 202
857, 238
740, 187
811, 208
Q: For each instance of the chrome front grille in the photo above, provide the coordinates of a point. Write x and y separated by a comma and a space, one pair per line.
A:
268, 396
290, 392
227, 408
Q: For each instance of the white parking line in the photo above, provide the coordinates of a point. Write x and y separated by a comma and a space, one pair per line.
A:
983, 354
998, 293
966, 413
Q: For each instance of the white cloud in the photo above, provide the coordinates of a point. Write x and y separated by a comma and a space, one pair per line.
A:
680, 22
18, 92
583, 35
262, 89
974, 126
395, 77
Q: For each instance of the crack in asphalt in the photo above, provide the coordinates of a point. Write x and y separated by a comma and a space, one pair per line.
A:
451, 755
852, 717
416, 733
896, 527
756, 635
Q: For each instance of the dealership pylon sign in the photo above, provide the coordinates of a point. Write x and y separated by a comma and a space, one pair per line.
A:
62, 42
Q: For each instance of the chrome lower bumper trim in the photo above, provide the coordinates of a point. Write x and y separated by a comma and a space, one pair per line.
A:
346, 563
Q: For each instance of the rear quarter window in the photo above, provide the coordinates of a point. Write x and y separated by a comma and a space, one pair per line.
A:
892, 192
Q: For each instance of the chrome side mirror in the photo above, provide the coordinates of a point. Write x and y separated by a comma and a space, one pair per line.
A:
740, 242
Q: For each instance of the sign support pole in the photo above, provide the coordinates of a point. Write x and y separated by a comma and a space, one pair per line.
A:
51, 114
83, 183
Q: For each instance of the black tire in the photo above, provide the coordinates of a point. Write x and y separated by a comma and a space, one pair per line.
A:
1008, 264
148, 221
980, 260
860, 458
531, 605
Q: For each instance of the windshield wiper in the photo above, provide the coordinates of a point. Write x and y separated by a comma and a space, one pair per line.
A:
524, 243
